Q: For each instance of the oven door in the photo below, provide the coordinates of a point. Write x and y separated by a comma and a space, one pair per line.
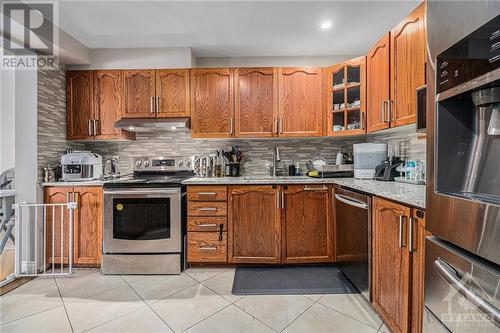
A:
142, 220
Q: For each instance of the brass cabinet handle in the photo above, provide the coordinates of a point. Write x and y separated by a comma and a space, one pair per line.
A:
401, 221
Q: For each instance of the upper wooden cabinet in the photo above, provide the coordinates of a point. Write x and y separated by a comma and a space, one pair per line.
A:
256, 102
307, 225
212, 107
80, 105
300, 102
395, 69
95, 101
345, 86
254, 224
172, 93
139, 94
407, 65
378, 86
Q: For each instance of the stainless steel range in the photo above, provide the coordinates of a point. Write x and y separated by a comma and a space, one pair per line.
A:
144, 219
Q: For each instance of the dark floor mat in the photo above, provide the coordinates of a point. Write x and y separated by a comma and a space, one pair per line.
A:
291, 280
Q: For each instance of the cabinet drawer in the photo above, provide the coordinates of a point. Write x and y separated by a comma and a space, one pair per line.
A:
206, 247
207, 193
213, 208
207, 223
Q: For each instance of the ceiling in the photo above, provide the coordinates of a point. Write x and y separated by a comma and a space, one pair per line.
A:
234, 28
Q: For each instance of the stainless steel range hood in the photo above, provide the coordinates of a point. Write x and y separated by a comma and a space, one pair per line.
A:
153, 124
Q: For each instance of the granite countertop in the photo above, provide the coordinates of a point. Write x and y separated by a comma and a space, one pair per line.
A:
409, 194
77, 183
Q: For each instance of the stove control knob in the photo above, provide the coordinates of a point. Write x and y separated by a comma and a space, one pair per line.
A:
146, 164
180, 163
188, 163
138, 163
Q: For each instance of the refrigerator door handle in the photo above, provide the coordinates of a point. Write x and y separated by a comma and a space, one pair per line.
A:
450, 275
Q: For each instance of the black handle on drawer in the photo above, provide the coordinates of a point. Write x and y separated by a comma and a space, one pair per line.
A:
221, 226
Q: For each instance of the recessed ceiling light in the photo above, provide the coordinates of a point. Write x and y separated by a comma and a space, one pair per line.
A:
131, 128
173, 128
326, 25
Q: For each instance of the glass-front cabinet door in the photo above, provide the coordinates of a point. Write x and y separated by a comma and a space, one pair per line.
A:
346, 90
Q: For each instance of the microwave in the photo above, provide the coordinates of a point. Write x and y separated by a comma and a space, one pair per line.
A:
421, 121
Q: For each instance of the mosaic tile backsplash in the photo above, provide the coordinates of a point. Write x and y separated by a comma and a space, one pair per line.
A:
257, 152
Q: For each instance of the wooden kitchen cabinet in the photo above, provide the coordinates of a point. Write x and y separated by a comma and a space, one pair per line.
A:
172, 93
87, 224
346, 97
254, 224
307, 224
109, 95
398, 234
378, 86
207, 224
408, 62
256, 102
79, 105
212, 105
300, 102
139, 93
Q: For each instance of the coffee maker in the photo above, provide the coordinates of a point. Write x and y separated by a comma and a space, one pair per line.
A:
387, 170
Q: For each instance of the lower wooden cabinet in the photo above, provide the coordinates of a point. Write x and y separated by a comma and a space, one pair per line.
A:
397, 264
207, 247
255, 224
307, 226
87, 224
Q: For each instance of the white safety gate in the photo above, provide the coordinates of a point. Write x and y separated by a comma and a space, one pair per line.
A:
44, 239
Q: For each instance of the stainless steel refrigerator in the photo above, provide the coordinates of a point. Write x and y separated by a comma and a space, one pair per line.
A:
462, 271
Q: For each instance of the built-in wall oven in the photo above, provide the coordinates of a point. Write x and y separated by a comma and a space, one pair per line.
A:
462, 270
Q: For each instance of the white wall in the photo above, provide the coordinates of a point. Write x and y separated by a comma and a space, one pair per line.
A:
140, 58
7, 119
271, 61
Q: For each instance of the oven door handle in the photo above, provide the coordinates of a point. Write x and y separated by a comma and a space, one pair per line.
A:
449, 274
143, 191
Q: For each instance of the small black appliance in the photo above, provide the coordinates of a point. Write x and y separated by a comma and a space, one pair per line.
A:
387, 170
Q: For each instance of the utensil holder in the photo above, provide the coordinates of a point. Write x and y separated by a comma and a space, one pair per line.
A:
233, 169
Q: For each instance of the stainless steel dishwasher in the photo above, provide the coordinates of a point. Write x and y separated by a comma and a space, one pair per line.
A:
352, 236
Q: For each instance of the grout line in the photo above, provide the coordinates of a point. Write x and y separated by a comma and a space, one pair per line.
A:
205, 279
64, 305
148, 305
359, 321
300, 315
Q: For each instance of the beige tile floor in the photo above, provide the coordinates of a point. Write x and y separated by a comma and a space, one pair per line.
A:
199, 300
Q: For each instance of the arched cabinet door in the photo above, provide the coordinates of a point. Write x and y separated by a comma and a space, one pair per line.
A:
254, 224
139, 93
80, 105
212, 105
172, 93
307, 225
407, 66
87, 234
300, 102
256, 102
377, 85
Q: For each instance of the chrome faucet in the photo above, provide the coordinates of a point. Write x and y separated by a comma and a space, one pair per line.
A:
276, 158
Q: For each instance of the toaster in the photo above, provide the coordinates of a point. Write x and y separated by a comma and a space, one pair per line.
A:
81, 166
